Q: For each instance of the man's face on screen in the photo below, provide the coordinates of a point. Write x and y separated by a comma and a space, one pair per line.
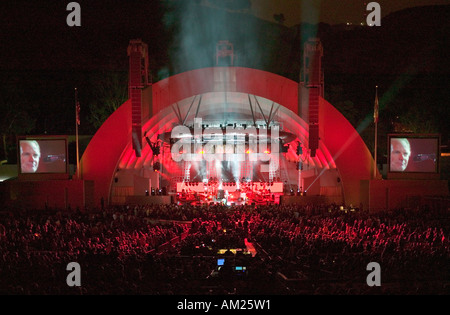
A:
400, 153
29, 156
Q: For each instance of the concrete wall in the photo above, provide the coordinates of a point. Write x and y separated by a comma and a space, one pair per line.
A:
55, 194
393, 194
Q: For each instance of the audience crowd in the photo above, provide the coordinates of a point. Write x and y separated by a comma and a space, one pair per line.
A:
174, 249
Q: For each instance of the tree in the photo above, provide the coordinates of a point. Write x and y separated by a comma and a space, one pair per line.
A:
16, 119
419, 119
109, 92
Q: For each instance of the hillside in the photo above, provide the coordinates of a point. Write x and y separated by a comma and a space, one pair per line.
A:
37, 37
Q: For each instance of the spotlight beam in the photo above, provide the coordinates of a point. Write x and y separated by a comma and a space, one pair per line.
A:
251, 108
189, 110
361, 127
273, 115
198, 106
270, 114
178, 114
260, 109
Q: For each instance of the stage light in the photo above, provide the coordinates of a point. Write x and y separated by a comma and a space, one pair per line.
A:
154, 146
299, 149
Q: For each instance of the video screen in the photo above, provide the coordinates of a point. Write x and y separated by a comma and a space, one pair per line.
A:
413, 154
40, 156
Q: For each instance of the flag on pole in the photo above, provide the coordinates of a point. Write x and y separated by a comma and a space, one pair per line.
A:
375, 111
78, 112
77, 108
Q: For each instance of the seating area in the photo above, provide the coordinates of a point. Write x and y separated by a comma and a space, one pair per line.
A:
173, 249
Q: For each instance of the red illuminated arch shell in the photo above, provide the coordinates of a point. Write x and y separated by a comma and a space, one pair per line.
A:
340, 146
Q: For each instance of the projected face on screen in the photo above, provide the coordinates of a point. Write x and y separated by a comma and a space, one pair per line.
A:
43, 156
30, 154
414, 154
400, 154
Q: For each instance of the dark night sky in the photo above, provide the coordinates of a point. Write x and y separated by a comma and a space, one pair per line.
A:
330, 11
